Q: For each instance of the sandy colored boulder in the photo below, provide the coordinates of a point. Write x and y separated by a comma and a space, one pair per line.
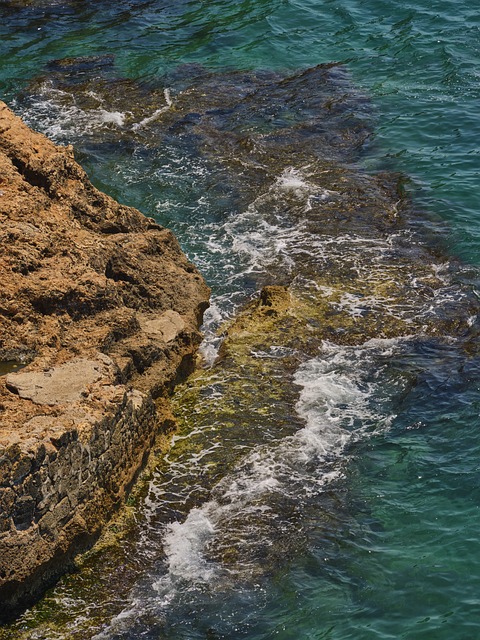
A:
100, 308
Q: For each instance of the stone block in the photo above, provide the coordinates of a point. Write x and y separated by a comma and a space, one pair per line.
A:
20, 469
7, 500
48, 526
5, 471
63, 512
23, 512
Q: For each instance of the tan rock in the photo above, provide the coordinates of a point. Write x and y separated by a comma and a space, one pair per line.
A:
101, 308
166, 327
60, 385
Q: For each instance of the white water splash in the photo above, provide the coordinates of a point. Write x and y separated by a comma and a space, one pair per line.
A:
338, 405
157, 113
62, 119
293, 179
183, 544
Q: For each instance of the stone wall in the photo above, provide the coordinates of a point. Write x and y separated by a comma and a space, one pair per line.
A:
57, 491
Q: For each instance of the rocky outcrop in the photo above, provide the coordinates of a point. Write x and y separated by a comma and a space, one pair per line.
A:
99, 317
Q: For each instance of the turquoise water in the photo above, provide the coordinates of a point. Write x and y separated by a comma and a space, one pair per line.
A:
393, 549
419, 61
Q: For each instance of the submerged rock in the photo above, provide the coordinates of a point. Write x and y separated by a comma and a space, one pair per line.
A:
348, 281
348, 285
102, 309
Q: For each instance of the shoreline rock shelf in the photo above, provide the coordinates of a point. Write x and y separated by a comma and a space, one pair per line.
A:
101, 308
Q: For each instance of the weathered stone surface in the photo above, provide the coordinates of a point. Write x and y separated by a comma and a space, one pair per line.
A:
167, 326
101, 308
57, 385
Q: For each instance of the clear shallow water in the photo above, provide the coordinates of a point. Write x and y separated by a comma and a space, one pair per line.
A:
391, 550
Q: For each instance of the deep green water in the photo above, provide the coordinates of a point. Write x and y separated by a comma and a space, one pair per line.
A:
393, 550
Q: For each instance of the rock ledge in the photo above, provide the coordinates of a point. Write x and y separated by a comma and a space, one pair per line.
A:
99, 311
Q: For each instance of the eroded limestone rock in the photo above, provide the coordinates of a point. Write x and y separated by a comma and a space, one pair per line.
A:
101, 308
59, 385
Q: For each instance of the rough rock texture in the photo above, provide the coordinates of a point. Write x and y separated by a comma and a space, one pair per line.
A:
102, 307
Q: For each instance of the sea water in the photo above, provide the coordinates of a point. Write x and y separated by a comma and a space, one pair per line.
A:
375, 486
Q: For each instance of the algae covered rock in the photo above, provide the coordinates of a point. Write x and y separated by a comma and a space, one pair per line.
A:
333, 258
340, 285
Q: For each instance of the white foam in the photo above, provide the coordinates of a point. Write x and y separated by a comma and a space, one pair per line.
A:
260, 236
183, 543
56, 113
209, 349
157, 113
292, 178
114, 117
61, 117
